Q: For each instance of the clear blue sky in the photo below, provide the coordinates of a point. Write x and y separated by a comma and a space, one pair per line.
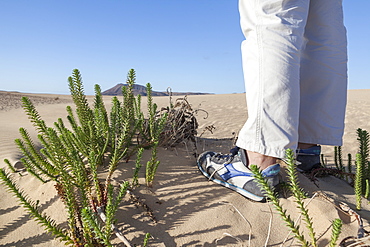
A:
188, 45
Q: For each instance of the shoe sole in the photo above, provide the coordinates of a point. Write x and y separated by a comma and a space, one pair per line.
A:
235, 188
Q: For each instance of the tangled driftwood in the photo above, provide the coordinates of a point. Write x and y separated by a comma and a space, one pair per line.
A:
181, 123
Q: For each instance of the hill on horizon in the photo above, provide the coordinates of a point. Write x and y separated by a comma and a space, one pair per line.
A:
139, 89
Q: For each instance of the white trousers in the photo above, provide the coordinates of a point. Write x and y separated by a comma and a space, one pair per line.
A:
295, 71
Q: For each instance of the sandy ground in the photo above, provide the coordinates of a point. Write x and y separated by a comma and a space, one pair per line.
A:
190, 211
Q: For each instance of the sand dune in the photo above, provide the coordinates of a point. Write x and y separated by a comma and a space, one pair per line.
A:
190, 211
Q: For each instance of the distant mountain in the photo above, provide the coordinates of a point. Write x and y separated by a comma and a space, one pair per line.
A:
139, 89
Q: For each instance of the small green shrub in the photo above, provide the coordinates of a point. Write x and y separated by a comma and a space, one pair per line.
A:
72, 158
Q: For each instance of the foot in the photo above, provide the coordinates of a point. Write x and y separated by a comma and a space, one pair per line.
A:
308, 158
261, 160
231, 171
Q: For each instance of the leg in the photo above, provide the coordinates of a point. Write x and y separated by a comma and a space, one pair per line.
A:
274, 31
323, 75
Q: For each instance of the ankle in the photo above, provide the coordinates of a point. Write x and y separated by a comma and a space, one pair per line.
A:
302, 145
260, 160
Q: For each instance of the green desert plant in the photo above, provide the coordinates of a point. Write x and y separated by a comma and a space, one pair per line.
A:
367, 189
33, 209
154, 130
336, 162
362, 163
349, 164
272, 196
138, 165
299, 195
73, 158
323, 161
362, 176
7, 162
340, 159
364, 143
339, 162
363, 138
146, 239
358, 181
337, 228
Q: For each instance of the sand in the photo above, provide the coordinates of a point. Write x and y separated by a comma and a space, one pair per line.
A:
190, 211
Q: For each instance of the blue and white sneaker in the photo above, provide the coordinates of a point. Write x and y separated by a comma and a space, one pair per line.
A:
308, 159
230, 170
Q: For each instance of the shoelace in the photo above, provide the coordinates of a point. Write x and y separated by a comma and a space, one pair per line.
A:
219, 157
229, 158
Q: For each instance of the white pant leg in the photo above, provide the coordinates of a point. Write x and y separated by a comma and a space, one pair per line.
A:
323, 75
274, 31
